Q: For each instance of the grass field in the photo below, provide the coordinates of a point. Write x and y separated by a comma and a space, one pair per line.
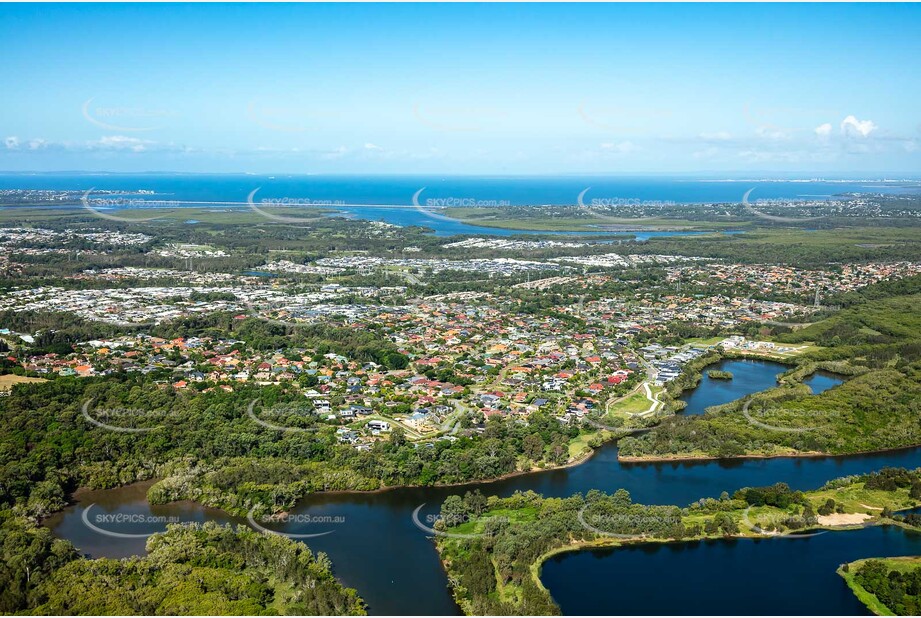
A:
633, 404
9, 380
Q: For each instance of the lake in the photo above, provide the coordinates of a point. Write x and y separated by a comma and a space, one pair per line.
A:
821, 381
722, 577
748, 376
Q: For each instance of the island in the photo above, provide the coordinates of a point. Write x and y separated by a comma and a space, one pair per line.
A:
716, 374
493, 549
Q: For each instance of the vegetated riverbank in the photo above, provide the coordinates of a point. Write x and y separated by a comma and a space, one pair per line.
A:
875, 410
789, 420
881, 582
365, 559
494, 557
190, 569
274, 484
241, 486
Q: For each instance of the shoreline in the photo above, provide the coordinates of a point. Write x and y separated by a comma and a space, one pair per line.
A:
796, 455
606, 435
508, 475
536, 567
80, 491
625, 459
75, 496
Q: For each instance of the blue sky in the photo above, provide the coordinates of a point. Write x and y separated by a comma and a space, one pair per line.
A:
461, 89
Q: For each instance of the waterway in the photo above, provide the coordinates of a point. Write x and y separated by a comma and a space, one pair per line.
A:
748, 376
377, 548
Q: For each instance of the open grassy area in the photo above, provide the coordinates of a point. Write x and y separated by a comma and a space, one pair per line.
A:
9, 380
579, 446
635, 403
702, 342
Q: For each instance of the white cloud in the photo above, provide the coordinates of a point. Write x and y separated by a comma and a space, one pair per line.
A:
120, 142
823, 130
11, 142
370, 146
755, 155
852, 127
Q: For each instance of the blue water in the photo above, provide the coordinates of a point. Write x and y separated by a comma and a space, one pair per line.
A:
231, 189
748, 376
395, 567
443, 225
378, 550
724, 577
821, 381
517, 190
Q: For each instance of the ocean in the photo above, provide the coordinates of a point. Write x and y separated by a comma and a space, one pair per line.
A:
453, 190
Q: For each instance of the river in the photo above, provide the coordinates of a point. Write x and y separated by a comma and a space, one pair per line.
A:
376, 547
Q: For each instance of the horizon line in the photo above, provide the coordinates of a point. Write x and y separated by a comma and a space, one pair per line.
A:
878, 176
